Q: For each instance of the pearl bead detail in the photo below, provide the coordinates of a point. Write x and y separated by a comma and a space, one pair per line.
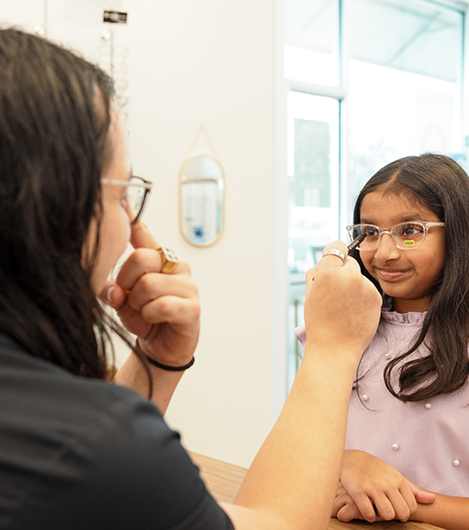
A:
365, 397
456, 463
428, 405
395, 447
387, 356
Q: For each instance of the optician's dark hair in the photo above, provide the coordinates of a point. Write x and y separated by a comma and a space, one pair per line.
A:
440, 184
54, 146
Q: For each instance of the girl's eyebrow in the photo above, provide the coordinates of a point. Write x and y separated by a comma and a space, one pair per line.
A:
414, 217
406, 218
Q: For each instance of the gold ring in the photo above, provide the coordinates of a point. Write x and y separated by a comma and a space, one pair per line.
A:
169, 258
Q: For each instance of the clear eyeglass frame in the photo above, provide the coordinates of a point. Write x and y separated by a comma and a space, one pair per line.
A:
137, 193
355, 231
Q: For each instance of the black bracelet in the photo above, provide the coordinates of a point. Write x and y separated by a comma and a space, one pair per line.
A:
170, 368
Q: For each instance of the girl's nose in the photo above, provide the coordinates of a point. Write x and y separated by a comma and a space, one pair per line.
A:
387, 250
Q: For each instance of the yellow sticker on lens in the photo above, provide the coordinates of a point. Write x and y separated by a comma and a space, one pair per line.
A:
409, 243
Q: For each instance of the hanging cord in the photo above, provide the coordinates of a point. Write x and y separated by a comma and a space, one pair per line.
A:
202, 131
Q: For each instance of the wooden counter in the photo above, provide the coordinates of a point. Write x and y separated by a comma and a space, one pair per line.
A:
223, 481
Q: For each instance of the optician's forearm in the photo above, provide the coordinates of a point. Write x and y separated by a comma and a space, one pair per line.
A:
134, 376
293, 479
451, 513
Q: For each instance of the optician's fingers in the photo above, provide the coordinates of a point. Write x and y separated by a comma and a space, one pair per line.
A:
151, 286
141, 237
338, 261
310, 274
146, 257
143, 261
333, 262
324, 263
112, 294
172, 310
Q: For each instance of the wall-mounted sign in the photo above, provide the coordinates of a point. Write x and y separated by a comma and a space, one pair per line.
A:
115, 17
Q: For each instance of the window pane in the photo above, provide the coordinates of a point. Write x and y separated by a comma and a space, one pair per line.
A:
312, 41
405, 87
313, 172
313, 153
408, 35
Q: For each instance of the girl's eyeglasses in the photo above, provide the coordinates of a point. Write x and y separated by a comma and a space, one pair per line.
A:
137, 192
406, 236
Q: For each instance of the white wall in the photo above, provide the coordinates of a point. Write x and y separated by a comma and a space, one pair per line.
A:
212, 61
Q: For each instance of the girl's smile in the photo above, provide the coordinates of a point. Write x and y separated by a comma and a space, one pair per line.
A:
392, 274
405, 274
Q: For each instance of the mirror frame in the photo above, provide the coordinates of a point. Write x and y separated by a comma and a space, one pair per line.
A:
183, 180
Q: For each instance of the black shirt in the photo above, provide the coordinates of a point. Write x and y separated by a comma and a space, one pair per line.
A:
78, 453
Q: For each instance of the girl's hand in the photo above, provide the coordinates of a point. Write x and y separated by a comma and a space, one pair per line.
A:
161, 309
344, 508
378, 489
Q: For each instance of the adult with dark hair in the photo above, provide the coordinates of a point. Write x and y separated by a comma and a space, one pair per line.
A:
408, 421
77, 451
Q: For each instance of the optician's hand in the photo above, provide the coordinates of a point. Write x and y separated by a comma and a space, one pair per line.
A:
163, 310
342, 307
376, 489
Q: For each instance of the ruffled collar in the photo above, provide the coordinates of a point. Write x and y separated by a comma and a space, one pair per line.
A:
389, 315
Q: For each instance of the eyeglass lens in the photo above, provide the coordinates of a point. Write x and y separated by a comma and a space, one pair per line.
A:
135, 199
405, 235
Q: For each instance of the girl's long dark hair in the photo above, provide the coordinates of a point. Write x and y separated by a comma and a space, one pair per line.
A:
54, 146
439, 183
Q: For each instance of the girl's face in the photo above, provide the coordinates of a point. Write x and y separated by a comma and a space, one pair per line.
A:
115, 222
406, 275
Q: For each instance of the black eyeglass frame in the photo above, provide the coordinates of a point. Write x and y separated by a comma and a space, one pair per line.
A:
145, 184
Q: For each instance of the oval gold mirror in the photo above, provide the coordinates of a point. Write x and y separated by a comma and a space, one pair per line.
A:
201, 187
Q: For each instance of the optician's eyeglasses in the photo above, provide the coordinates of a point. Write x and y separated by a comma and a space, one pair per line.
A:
137, 192
406, 236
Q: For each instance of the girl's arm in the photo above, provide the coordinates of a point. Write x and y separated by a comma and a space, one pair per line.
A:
448, 512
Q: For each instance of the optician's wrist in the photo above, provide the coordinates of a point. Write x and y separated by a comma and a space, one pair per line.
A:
170, 368
178, 367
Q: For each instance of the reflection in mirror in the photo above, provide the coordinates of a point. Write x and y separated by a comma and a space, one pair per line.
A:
201, 200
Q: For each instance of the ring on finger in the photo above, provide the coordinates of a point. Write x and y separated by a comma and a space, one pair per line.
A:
169, 259
334, 252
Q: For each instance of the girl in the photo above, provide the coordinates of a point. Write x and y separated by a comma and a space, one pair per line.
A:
409, 417
76, 451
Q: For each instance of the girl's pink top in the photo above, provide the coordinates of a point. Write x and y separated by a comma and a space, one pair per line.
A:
428, 442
